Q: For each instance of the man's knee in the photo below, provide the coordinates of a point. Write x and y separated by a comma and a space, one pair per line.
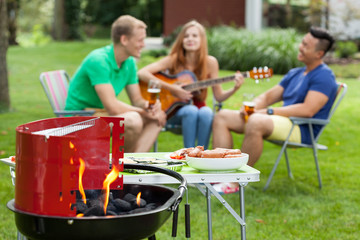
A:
221, 116
258, 123
133, 122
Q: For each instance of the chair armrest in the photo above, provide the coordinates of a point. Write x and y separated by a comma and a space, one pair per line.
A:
299, 121
75, 112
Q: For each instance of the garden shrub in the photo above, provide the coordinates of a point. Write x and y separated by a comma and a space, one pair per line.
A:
346, 49
241, 49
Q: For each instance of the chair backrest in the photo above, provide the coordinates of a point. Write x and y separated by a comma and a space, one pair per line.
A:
340, 94
56, 86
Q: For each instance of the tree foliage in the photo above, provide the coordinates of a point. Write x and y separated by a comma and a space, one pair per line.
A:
104, 12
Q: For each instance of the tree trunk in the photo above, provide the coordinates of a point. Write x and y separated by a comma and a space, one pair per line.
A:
60, 30
289, 16
4, 85
12, 11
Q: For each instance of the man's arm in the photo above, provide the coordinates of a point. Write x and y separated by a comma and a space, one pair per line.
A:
314, 101
134, 93
112, 105
271, 96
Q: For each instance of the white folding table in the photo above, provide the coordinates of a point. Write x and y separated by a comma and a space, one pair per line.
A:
243, 176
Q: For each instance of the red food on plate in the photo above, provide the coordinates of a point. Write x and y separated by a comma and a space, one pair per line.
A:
180, 154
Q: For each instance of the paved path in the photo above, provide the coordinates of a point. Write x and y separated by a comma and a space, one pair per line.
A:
154, 43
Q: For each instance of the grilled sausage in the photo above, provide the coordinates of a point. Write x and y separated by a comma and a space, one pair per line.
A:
196, 152
213, 153
233, 156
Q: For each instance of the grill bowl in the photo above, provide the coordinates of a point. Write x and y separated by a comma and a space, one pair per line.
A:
122, 227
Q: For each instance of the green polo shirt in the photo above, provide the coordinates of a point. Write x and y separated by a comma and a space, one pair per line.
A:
99, 67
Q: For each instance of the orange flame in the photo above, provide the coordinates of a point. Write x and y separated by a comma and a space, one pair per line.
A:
111, 177
71, 145
81, 172
80, 215
138, 199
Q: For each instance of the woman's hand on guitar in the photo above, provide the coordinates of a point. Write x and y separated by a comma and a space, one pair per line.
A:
181, 93
239, 80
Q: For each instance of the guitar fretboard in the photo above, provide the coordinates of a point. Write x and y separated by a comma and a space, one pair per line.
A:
206, 83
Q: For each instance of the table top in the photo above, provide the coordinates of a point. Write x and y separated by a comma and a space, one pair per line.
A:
244, 174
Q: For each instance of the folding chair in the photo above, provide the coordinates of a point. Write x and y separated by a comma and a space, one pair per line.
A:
342, 88
56, 86
177, 129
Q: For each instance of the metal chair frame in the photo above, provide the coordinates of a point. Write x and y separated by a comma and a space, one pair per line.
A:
315, 146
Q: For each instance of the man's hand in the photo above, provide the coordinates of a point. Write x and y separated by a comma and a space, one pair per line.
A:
155, 113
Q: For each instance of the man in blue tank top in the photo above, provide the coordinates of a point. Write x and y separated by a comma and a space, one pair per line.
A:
307, 91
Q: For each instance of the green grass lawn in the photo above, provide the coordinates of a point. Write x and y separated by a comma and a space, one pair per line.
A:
289, 209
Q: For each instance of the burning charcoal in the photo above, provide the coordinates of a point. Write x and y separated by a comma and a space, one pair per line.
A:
111, 198
151, 206
95, 202
132, 200
138, 210
129, 197
96, 210
92, 194
122, 205
80, 207
111, 208
111, 213
142, 203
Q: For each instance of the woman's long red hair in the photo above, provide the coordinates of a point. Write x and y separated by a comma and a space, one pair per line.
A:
178, 52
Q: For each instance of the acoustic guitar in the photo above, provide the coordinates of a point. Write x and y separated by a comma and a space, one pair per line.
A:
187, 79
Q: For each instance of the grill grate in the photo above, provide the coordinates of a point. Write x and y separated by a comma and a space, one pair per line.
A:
62, 131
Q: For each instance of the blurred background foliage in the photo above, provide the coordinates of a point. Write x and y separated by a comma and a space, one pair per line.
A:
235, 48
82, 18
242, 49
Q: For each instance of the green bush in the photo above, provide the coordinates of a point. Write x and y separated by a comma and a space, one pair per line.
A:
346, 49
36, 38
240, 49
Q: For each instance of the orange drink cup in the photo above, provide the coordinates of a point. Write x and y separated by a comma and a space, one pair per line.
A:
153, 93
249, 109
153, 90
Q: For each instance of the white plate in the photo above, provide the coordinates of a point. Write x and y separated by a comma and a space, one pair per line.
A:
218, 164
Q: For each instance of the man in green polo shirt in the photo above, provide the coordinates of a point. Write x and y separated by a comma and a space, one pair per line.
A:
105, 72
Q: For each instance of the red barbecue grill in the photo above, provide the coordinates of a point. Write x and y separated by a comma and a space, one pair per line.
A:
62, 162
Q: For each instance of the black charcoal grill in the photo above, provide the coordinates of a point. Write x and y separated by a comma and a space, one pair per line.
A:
49, 156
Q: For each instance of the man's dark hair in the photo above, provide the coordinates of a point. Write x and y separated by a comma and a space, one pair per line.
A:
326, 40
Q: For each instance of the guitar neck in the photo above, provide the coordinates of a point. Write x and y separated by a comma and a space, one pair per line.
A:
206, 83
